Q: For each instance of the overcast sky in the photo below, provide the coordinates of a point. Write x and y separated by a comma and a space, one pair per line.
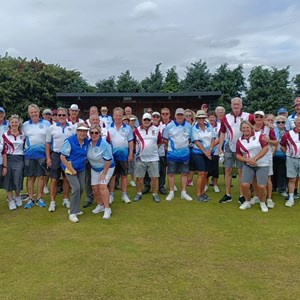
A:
102, 38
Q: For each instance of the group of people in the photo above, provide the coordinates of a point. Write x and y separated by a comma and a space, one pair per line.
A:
97, 154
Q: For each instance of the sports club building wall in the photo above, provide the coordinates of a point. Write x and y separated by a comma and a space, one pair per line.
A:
139, 102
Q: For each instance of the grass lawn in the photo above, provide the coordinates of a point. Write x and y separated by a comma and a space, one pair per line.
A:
170, 250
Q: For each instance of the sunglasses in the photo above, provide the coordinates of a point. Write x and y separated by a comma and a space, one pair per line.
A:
280, 122
188, 116
61, 115
94, 132
259, 116
201, 118
147, 120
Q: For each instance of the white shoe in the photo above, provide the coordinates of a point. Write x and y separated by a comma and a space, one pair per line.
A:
270, 203
132, 183
284, 194
45, 190
107, 213
245, 205
289, 203
175, 188
125, 199
170, 196
186, 196
98, 209
216, 189
73, 218
263, 207
205, 188
111, 199
18, 201
11, 205
66, 203
254, 200
52, 206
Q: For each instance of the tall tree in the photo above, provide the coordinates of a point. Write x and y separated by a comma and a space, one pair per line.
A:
127, 84
171, 82
106, 85
296, 83
154, 82
197, 78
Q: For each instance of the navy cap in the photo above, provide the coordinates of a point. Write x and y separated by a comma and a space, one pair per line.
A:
282, 110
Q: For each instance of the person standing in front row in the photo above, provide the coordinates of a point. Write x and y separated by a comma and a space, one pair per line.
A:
177, 136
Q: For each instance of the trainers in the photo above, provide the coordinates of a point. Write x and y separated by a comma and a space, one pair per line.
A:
156, 198
11, 205
270, 203
190, 182
216, 189
186, 196
45, 190
125, 199
205, 188
284, 194
170, 196
137, 197
73, 218
41, 203
202, 198
254, 200
18, 201
66, 203
245, 205
242, 199
111, 199
175, 188
225, 199
98, 209
132, 183
263, 207
29, 204
52, 206
289, 203
107, 213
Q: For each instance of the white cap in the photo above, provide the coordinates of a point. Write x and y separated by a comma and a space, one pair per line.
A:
179, 111
74, 107
147, 116
201, 114
259, 112
82, 126
156, 113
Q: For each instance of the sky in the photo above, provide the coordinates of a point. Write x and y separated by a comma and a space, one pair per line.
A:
102, 38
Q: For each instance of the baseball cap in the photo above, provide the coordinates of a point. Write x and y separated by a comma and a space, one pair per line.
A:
74, 107
2, 109
201, 114
82, 126
179, 111
104, 108
259, 112
47, 111
156, 113
146, 116
282, 110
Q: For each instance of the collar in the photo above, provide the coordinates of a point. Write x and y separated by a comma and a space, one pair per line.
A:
9, 133
252, 134
39, 121
205, 124
177, 124
113, 124
77, 120
143, 127
59, 124
238, 115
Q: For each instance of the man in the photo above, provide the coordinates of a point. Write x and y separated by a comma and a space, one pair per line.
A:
230, 126
121, 139
56, 135
73, 115
93, 111
128, 112
35, 131
220, 113
177, 136
294, 115
3, 122
147, 137
105, 119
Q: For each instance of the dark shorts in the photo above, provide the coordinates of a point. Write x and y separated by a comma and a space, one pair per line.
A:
35, 167
177, 167
121, 168
56, 169
201, 162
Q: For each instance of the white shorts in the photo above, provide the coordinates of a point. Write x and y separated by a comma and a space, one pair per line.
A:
95, 176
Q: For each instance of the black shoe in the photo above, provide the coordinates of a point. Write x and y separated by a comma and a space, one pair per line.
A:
145, 190
225, 199
87, 203
163, 191
242, 199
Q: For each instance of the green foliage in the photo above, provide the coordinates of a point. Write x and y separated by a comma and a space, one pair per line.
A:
296, 82
106, 85
154, 82
127, 84
171, 82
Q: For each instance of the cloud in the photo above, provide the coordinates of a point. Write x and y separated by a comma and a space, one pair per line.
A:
145, 9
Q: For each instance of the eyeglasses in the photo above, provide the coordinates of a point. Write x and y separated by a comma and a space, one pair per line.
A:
147, 120
280, 122
258, 116
61, 115
188, 116
94, 132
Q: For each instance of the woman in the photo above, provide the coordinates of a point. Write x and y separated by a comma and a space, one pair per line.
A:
73, 157
100, 157
251, 149
203, 138
14, 140
279, 179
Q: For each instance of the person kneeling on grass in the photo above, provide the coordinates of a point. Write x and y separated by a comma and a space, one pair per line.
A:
147, 138
100, 157
251, 150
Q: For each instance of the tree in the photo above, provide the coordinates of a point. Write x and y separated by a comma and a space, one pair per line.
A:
296, 83
127, 84
171, 82
106, 85
197, 78
154, 82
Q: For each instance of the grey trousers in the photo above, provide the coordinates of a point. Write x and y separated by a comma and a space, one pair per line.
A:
77, 183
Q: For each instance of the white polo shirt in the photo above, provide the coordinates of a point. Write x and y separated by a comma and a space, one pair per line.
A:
203, 136
291, 141
14, 145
